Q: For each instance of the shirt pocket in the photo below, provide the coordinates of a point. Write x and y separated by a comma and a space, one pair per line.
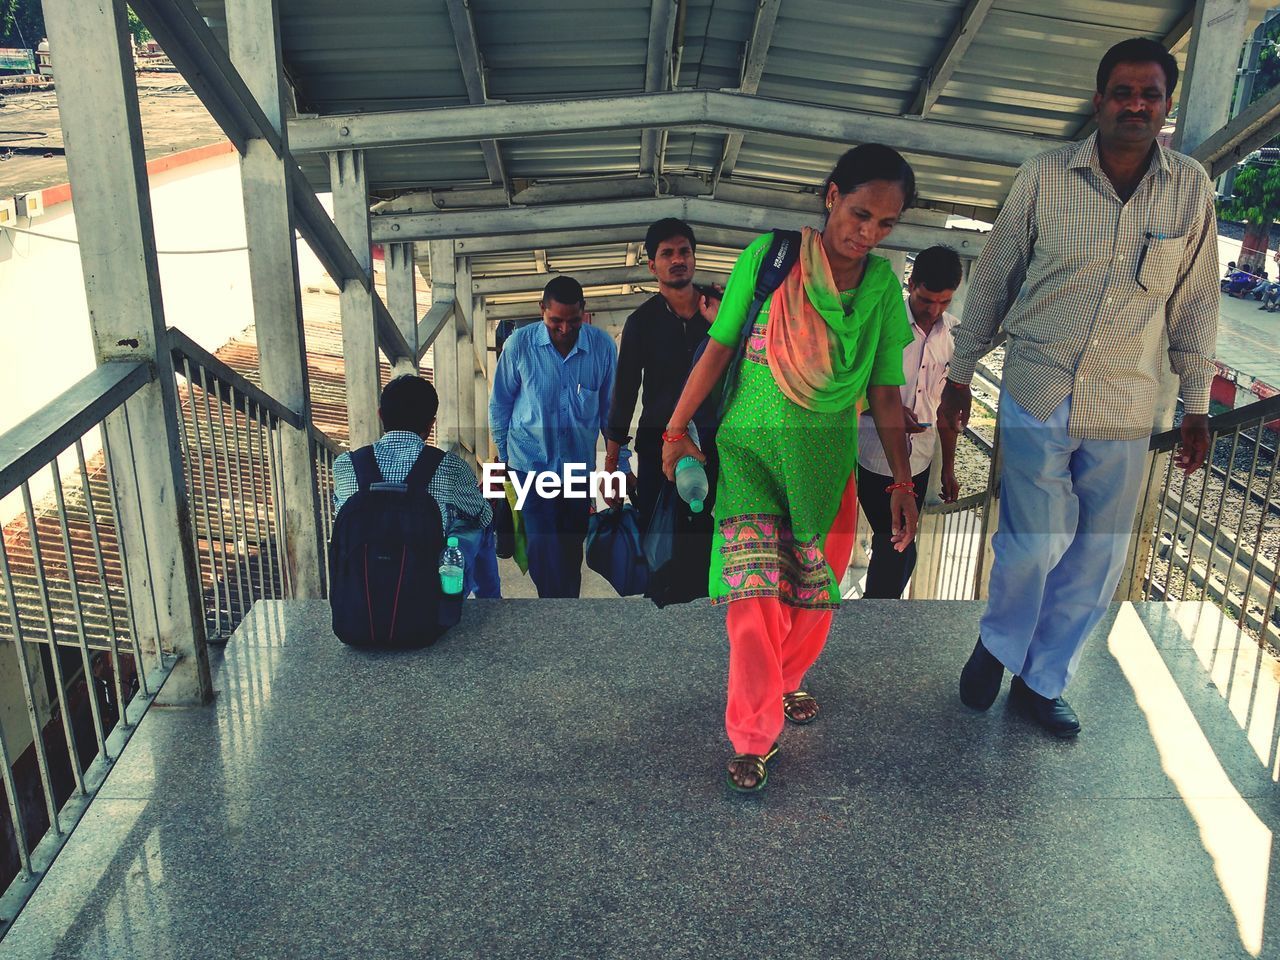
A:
585, 401
1158, 271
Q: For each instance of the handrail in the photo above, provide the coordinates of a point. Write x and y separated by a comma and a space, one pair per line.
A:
326, 441
51, 429
182, 345
1265, 410
956, 506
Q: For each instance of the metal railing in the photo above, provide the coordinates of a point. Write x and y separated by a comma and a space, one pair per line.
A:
324, 450
1214, 534
232, 453
70, 647
950, 546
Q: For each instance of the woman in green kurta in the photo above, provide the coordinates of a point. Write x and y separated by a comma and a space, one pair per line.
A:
831, 335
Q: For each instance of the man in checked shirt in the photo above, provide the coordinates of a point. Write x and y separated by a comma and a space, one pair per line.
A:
1101, 248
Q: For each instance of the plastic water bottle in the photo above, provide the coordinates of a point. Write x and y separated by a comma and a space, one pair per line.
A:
691, 478
451, 568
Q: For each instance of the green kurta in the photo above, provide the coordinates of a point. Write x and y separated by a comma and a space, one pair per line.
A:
784, 468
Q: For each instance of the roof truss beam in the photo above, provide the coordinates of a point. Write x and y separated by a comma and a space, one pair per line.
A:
554, 240
468, 44
621, 302
710, 108
1255, 125
203, 63
657, 75
433, 321
966, 30
594, 277
635, 214
752, 71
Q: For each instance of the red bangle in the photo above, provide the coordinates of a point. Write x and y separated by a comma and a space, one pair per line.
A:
906, 485
668, 437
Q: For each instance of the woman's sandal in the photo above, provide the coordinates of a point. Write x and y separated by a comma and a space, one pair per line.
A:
795, 699
761, 770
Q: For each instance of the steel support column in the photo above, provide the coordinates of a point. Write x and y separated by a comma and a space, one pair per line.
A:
359, 337
480, 339
402, 301
253, 37
1217, 36
463, 329
444, 348
98, 109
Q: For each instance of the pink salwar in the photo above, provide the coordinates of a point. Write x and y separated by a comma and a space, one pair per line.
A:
772, 645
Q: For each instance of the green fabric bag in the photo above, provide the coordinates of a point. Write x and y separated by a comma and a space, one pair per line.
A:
520, 553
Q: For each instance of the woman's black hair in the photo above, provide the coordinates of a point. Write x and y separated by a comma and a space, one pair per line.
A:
872, 161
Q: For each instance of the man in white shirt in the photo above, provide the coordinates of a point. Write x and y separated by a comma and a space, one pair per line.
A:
934, 279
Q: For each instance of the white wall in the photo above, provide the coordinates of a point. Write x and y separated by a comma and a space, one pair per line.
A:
45, 345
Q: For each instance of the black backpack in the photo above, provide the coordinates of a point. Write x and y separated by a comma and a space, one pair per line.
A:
384, 559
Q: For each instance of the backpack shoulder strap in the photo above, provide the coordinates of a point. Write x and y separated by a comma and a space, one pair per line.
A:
424, 468
366, 466
781, 257
784, 251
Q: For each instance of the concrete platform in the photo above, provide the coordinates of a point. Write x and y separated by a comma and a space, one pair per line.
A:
548, 782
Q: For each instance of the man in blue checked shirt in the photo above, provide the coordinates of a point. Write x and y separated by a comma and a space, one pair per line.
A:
407, 410
550, 399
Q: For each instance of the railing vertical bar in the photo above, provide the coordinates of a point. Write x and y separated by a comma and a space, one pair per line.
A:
1155, 548
945, 570
216, 500
1137, 570
78, 611
113, 635
11, 794
28, 692
970, 525
1194, 522
251, 414
1245, 497
146, 549
239, 514
134, 637
1217, 520
188, 471
1257, 543
204, 501
268, 492
1267, 607
269, 499
55, 661
231, 508
277, 451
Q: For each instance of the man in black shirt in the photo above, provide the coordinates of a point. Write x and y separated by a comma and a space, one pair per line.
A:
658, 344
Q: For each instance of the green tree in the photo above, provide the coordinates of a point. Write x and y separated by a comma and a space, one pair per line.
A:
22, 24
1255, 200
1255, 188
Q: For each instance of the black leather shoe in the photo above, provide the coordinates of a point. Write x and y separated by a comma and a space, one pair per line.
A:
1056, 716
980, 678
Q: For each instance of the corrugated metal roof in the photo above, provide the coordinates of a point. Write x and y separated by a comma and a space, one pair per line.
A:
1029, 70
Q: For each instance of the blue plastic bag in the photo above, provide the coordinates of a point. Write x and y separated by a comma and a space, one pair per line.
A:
614, 550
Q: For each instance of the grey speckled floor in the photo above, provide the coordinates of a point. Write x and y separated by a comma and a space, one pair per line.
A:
547, 782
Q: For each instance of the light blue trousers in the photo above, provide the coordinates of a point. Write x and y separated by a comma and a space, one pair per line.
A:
1067, 508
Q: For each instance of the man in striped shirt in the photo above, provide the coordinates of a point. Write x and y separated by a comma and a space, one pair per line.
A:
1101, 249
